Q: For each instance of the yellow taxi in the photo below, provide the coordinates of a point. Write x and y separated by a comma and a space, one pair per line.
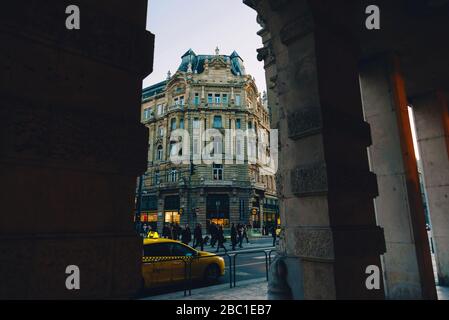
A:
165, 260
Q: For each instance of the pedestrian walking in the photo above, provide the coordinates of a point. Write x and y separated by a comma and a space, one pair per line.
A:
240, 235
186, 235
273, 234
233, 236
198, 237
175, 232
220, 239
245, 233
213, 234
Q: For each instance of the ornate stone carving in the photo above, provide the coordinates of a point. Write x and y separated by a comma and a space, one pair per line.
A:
309, 180
266, 54
304, 122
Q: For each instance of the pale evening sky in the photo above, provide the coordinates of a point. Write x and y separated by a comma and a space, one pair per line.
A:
203, 25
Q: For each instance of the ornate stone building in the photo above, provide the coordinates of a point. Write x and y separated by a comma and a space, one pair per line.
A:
211, 97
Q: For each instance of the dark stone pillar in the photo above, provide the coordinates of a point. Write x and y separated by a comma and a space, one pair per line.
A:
71, 147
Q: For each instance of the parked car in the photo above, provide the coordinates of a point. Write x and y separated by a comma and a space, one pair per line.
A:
164, 263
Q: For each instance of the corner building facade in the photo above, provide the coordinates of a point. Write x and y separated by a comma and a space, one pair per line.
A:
207, 92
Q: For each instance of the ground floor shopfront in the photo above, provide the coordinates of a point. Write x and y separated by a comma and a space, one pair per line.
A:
206, 206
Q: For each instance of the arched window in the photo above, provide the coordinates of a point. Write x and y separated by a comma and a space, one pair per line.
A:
160, 153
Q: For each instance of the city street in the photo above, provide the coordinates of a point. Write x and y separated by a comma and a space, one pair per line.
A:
248, 266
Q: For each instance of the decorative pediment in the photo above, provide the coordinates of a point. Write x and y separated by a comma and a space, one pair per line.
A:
218, 62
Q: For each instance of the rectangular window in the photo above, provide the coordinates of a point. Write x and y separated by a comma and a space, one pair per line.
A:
181, 101
238, 124
217, 98
210, 98
173, 175
181, 123
250, 125
217, 122
218, 171
196, 143
161, 131
237, 100
196, 100
225, 98
176, 101
173, 124
160, 153
159, 109
196, 123
146, 113
157, 178
218, 146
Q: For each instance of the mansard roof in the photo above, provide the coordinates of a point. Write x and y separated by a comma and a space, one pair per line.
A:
154, 90
198, 61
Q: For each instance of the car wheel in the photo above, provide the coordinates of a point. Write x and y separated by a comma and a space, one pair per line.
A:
212, 273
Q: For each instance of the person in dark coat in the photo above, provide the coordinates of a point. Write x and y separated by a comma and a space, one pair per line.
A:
220, 239
198, 237
213, 234
273, 234
240, 235
175, 232
233, 236
186, 235
165, 231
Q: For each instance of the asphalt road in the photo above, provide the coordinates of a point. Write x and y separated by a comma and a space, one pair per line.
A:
248, 266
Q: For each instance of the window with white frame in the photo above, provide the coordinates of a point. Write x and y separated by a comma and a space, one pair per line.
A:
160, 109
173, 175
218, 172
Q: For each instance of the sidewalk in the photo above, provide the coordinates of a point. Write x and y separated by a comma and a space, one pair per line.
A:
254, 289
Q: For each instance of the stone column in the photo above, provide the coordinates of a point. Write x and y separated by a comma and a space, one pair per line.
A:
393, 205
71, 148
431, 119
325, 188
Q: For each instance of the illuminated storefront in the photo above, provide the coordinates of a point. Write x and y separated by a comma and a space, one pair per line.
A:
217, 210
171, 209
